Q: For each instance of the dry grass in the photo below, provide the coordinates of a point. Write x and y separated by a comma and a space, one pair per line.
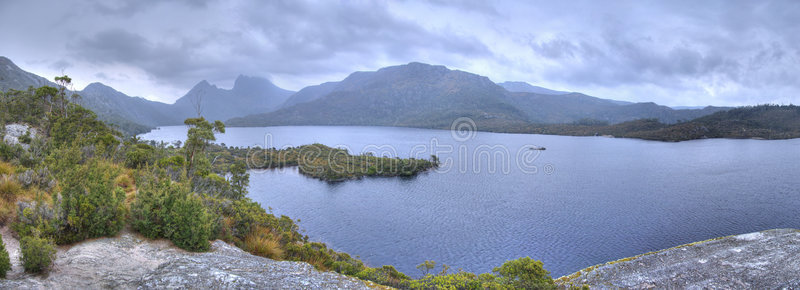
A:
9, 187
6, 168
261, 242
125, 181
11, 192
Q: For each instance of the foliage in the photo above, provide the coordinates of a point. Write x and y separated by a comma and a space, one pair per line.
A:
327, 163
141, 156
524, 273
200, 133
239, 180
426, 267
386, 275
166, 209
37, 253
188, 224
5, 261
92, 205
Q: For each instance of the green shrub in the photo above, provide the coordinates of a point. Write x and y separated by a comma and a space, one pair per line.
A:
164, 209
92, 205
524, 273
188, 225
37, 253
141, 156
5, 261
386, 275
152, 206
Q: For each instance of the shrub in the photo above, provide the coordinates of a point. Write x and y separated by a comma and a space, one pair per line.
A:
164, 209
140, 156
5, 261
524, 273
189, 225
386, 275
92, 206
37, 253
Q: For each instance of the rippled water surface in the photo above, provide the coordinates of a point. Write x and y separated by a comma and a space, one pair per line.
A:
583, 201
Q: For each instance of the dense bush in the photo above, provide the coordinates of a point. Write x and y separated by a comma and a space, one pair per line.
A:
188, 225
37, 253
5, 261
524, 273
91, 205
141, 155
166, 209
386, 275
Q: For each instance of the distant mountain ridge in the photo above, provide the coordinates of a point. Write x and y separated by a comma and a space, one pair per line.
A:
411, 95
13, 77
423, 95
249, 95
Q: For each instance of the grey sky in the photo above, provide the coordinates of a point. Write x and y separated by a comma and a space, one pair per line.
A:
669, 52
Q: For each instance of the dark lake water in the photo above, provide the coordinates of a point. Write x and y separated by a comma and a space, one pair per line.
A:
583, 201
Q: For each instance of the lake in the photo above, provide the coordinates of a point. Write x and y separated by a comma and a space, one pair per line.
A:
581, 202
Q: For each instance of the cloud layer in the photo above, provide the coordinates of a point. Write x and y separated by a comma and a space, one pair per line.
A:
674, 53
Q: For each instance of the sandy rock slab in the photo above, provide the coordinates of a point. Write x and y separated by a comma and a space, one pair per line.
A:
761, 260
130, 261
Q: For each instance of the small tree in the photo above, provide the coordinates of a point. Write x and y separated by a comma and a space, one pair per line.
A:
37, 253
426, 267
5, 261
239, 180
201, 132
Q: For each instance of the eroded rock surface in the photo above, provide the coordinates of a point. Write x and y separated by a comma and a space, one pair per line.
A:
131, 261
13, 132
762, 260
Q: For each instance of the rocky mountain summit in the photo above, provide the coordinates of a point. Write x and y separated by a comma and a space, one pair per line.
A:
130, 261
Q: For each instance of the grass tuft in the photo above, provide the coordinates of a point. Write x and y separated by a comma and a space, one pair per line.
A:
261, 242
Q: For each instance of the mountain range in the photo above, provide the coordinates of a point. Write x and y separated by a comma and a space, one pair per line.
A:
249, 95
429, 96
410, 95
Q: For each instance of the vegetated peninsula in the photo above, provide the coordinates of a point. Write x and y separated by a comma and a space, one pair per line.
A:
324, 162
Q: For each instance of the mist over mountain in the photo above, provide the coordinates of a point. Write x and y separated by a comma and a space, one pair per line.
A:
310, 93
523, 87
249, 95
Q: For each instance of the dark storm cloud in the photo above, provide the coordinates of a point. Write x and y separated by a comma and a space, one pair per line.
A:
726, 52
309, 31
676, 46
291, 37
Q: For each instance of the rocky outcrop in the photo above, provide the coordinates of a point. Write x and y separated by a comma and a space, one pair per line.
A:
130, 261
13, 132
762, 260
